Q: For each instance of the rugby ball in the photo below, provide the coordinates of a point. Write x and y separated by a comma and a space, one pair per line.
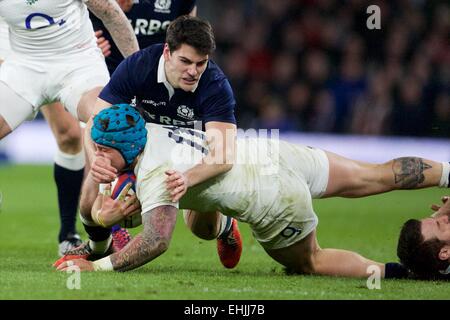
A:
117, 186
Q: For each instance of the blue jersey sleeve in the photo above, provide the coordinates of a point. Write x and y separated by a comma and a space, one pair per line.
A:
123, 85
219, 105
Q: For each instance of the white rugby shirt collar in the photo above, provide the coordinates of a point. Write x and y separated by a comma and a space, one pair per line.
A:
163, 79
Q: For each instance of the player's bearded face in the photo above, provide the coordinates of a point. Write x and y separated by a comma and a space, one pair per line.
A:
184, 67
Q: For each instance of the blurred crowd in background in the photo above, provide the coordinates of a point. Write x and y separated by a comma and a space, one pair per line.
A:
314, 66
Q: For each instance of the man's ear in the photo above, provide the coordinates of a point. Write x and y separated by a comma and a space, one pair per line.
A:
444, 253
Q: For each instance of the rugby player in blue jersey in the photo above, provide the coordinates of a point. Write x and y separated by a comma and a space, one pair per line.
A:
176, 84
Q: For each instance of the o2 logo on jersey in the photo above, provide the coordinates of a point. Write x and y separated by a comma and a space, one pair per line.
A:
42, 21
163, 6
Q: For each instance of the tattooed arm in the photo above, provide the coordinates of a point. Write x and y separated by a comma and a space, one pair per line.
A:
117, 24
150, 243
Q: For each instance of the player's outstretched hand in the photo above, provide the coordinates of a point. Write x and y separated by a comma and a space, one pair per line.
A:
176, 184
103, 43
76, 264
441, 210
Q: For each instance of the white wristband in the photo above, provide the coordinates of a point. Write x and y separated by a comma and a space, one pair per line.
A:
103, 264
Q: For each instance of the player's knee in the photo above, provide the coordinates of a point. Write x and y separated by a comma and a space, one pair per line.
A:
5, 129
306, 267
202, 228
69, 139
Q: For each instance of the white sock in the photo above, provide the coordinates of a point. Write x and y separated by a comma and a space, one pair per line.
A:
225, 225
72, 162
87, 222
100, 247
444, 183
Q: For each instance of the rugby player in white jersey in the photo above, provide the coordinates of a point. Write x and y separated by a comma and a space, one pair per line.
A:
4, 40
270, 187
69, 159
56, 59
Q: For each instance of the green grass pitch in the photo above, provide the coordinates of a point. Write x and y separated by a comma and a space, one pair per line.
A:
190, 269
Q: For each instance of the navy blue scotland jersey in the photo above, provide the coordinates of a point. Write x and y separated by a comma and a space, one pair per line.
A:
149, 19
138, 77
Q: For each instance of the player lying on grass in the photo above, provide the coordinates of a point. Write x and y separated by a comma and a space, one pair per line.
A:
424, 245
270, 187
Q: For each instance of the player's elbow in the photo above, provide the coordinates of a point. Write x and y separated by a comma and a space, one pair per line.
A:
163, 245
86, 204
159, 246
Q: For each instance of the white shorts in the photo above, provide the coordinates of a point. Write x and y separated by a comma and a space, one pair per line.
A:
303, 175
39, 82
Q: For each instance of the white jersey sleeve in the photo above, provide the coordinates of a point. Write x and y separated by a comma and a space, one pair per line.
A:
268, 187
167, 148
44, 28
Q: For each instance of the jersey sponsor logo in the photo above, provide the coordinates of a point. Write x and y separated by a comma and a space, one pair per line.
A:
40, 24
185, 112
153, 118
149, 27
31, 2
163, 6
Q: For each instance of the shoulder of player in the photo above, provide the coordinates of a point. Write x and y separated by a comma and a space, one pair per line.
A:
147, 9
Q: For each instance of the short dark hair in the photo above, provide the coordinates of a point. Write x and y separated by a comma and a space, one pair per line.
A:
420, 256
192, 31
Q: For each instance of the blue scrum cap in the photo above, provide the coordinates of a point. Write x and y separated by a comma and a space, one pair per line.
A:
120, 127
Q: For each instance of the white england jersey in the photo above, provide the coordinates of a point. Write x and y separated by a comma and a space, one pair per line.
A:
268, 187
45, 28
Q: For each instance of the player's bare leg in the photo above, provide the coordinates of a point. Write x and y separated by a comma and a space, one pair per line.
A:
68, 171
350, 178
215, 225
306, 257
204, 225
